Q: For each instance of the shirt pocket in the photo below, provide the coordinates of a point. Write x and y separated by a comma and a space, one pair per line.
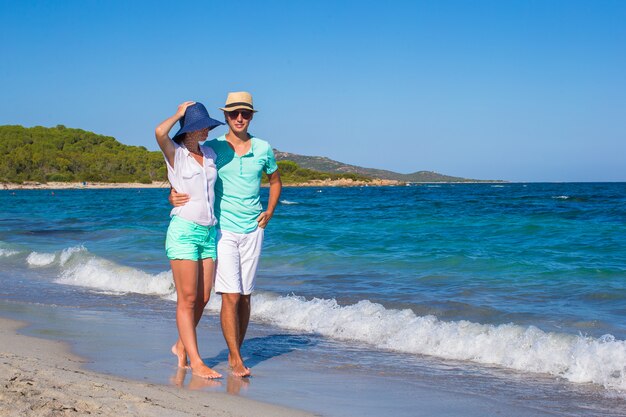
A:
189, 173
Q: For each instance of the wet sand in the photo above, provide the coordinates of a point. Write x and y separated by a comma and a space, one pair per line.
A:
42, 378
122, 366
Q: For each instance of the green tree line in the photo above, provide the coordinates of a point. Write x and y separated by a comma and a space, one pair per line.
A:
63, 154
66, 155
291, 173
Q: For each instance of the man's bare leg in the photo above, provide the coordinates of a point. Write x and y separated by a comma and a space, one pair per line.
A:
243, 312
243, 319
204, 287
186, 280
231, 330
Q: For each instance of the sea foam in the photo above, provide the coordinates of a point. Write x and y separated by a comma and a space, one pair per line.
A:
7, 252
528, 349
103, 275
576, 358
38, 259
43, 259
67, 253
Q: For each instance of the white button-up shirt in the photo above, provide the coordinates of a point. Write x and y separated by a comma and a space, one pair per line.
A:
189, 177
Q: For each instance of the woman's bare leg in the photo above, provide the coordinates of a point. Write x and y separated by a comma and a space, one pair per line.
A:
205, 286
186, 280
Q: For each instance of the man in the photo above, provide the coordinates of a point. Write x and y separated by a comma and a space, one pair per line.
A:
241, 160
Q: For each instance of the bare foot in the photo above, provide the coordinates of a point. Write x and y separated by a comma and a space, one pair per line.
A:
179, 351
203, 371
239, 369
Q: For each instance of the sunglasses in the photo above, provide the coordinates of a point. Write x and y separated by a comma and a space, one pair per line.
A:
246, 115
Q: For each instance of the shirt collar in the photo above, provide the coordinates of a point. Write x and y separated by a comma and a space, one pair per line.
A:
250, 151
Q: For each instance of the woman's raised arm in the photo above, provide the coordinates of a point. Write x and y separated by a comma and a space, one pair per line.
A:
162, 131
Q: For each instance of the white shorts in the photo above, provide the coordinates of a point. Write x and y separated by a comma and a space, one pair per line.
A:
237, 261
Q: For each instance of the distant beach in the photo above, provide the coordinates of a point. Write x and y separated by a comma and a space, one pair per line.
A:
29, 185
81, 185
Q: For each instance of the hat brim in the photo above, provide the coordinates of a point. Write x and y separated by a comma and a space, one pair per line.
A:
199, 125
242, 107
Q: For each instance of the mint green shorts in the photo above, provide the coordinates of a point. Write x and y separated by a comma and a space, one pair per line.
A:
190, 241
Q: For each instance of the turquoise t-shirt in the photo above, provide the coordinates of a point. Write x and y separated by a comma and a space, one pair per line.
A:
238, 185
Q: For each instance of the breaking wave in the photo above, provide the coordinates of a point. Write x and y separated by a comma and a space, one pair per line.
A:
576, 358
36, 259
528, 349
41, 259
7, 252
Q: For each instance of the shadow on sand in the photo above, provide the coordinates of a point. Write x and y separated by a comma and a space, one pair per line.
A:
259, 349
255, 351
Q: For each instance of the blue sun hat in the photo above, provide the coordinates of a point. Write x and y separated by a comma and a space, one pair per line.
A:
196, 118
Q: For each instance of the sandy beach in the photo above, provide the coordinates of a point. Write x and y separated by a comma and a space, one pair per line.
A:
42, 378
80, 185
109, 372
165, 184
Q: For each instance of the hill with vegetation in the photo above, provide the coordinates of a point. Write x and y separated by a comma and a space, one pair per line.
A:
321, 163
62, 154
68, 155
292, 173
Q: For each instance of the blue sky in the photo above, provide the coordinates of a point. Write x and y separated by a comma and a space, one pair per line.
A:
514, 90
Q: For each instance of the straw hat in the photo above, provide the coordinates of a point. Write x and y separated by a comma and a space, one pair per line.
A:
240, 100
196, 118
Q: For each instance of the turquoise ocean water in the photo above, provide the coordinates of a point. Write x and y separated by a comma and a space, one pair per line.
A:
525, 280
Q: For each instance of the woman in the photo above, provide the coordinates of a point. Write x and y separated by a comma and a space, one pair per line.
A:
190, 242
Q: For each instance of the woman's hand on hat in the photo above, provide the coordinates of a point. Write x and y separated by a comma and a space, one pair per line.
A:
182, 108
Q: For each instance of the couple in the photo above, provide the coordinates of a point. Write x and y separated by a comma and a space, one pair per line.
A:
217, 224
